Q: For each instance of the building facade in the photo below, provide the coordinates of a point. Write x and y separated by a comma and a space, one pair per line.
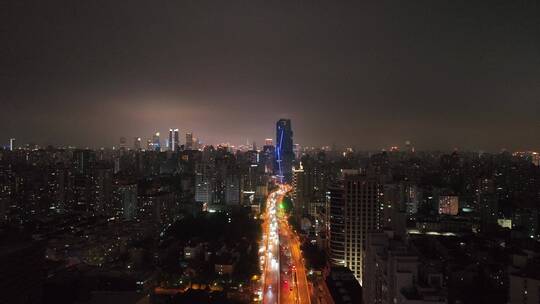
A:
354, 211
284, 150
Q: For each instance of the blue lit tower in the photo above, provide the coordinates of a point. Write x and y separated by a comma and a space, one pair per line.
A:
284, 150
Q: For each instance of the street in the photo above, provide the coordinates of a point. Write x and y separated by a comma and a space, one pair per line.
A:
284, 274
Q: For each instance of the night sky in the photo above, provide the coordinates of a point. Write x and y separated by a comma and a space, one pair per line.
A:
369, 75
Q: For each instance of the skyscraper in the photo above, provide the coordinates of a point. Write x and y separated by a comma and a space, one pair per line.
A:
299, 191
170, 142
156, 142
83, 160
488, 205
267, 157
123, 142
128, 198
354, 211
189, 141
284, 150
137, 143
173, 140
11, 144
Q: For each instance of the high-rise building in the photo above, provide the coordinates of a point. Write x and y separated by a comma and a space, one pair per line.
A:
409, 147
156, 144
299, 193
535, 158
297, 151
189, 141
128, 199
173, 140
160, 205
102, 188
232, 190
488, 205
83, 161
284, 150
267, 157
11, 144
203, 187
137, 143
123, 143
354, 211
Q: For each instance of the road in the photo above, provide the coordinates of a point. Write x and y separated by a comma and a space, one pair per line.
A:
269, 252
284, 274
301, 294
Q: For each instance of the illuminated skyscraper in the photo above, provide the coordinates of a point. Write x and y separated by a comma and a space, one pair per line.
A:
137, 143
299, 191
156, 143
11, 144
267, 157
354, 211
284, 150
173, 140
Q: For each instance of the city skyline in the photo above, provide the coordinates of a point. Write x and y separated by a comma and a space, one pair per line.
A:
270, 152
371, 76
404, 144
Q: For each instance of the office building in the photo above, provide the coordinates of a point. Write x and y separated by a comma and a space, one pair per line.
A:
300, 192
11, 144
156, 144
128, 200
267, 157
232, 190
189, 141
137, 143
354, 211
174, 138
535, 158
297, 150
488, 205
83, 161
102, 188
203, 187
284, 150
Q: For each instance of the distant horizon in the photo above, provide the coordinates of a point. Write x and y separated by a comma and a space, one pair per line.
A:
401, 148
